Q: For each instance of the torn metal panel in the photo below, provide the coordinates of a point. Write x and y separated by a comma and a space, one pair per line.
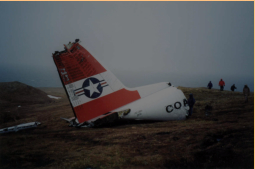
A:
19, 127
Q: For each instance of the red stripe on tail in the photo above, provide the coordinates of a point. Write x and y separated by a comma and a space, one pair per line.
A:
79, 91
95, 108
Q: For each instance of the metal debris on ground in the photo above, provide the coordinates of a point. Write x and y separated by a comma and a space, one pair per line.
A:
19, 127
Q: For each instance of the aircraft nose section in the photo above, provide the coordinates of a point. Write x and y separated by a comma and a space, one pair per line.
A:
187, 114
186, 108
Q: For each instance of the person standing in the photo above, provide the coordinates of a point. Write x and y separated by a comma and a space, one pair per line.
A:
246, 92
210, 85
221, 84
191, 102
233, 87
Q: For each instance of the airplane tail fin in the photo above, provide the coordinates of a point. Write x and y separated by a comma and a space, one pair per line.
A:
92, 89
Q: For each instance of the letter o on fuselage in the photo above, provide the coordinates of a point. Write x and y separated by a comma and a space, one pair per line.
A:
177, 105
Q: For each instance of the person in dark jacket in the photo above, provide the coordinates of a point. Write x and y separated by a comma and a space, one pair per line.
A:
221, 84
233, 87
246, 92
191, 102
210, 85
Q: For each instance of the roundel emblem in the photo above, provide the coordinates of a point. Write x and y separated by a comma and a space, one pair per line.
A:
92, 88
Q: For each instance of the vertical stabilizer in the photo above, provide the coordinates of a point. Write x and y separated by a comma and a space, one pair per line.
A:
92, 89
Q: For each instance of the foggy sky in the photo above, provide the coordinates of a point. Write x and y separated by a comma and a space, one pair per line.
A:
185, 43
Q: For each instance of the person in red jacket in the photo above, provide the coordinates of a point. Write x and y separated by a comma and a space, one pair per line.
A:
221, 84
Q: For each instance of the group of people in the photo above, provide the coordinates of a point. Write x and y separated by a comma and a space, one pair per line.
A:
191, 100
246, 89
221, 84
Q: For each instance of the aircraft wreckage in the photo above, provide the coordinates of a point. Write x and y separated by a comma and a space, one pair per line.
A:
98, 97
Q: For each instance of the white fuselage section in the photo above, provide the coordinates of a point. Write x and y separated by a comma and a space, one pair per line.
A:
168, 103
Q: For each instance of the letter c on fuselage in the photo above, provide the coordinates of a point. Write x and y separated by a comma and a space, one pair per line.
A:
169, 108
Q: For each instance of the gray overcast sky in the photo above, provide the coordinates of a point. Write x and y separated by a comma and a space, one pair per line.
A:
186, 43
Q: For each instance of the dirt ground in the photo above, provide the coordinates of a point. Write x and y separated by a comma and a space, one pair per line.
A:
222, 139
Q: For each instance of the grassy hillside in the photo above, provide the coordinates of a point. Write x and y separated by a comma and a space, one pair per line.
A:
223, 139
15, 98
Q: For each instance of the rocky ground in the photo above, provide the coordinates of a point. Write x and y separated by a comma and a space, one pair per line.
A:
222, 139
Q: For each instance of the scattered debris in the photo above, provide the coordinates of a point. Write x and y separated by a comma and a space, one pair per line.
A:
54, 97
19, 127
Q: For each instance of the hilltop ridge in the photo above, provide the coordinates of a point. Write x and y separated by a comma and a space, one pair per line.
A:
17, 92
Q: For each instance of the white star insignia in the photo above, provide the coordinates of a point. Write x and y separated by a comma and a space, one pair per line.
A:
92, 88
